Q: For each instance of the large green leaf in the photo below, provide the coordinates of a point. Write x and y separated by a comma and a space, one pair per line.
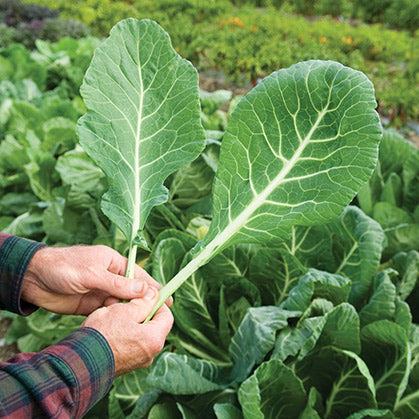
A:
194, 181
382, 303
394, 151
290, 341
411, 181
142, 122
191, 313
78, 170
401, 230
392, 190
408, 406
317, 284
180, 374
128, 390
29, 225
350, 246
297, 149
358, 249
385, 350
258, 326
314, 405
371, 414
227, 411
302, 142
342, 378
273, 391
274, 272
339, 327
407, 264
231, 263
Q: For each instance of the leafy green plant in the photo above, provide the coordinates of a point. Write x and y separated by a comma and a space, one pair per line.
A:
391, 196
25, 23
325, 310
151, 95
278, 153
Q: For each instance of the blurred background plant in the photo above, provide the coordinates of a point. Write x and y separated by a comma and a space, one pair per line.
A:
25, 23
246, 40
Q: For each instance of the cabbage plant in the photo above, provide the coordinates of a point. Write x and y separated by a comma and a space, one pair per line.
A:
296, 150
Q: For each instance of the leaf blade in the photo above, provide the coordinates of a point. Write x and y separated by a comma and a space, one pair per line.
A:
142, 122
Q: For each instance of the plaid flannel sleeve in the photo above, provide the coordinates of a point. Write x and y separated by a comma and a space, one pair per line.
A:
15, 255
63, 380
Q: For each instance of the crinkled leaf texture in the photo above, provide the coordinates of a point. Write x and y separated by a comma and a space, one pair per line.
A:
273, 391
143, 119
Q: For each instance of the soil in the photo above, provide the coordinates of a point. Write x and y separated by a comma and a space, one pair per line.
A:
414, 138
211, 83
6, 351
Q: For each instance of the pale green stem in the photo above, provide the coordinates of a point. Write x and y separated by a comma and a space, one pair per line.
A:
182, 276
131, 262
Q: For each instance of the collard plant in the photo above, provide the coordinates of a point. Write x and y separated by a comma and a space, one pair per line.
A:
296, 150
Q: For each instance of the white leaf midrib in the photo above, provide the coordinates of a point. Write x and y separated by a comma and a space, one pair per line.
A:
260, 199
241, 220
136, 218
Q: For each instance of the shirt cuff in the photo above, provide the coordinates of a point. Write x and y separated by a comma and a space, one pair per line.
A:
15, 255
87, 354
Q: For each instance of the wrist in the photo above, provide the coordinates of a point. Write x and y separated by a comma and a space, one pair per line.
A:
30, 283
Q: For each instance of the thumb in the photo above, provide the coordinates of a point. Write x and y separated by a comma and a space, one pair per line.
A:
137, 309
120, 287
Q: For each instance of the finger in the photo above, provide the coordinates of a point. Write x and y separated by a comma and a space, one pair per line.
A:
140, 273
118, 286
161, 324
118, 265
138, 309
111, 300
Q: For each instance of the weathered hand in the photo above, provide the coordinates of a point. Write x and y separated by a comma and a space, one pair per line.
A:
134, 345
80, 279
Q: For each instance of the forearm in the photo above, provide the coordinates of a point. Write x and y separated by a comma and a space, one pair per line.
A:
62, 381
15, 255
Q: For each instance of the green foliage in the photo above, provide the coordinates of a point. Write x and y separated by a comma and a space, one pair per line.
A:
25, 23
161, 143
302, 324
401, 14
248, 43
101, 14
391, 196
373, 10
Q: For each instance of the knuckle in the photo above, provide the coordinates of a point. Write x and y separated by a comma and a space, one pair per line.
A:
102, 248
148, 363
117, 284
156, 346
146, 351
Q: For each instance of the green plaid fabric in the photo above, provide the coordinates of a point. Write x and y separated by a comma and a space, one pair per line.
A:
15, 255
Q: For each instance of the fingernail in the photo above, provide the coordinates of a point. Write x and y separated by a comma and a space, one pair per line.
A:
149, 295
138, 287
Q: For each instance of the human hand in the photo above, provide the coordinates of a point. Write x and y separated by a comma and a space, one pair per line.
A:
134, 345
80, 279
